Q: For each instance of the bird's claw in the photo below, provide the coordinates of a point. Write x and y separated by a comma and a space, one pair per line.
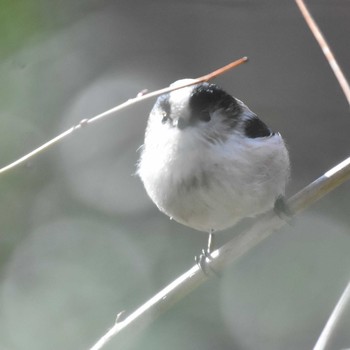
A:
202, 262
282, 209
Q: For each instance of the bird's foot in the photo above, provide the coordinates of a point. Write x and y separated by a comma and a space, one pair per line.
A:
202, 262
205, 256
282, 209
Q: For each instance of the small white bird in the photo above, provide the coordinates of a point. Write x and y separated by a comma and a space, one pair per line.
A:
209, 161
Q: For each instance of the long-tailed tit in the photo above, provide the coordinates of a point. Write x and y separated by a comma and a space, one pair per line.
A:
209, 161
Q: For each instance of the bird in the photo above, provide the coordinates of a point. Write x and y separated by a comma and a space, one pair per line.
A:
208, 161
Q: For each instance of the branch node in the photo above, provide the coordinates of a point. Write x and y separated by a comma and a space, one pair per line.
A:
82, 124
142, 92
120, 317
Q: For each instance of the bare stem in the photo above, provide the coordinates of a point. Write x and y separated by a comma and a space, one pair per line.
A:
128, 103
338, 175
325, 48
262, 228
325, 338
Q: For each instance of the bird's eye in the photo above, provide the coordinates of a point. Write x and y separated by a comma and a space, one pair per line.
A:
165, 118
204, 116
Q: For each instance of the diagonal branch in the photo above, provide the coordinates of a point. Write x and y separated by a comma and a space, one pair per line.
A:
333, 321
140, 97
227, 254
325, 48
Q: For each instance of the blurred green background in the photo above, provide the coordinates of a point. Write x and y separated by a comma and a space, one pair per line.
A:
79, 239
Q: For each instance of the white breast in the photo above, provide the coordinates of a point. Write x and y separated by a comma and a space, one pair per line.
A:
212, 186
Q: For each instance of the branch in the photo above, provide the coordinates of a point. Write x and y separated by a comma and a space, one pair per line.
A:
333, 321
140, 97
262, 228
325, 48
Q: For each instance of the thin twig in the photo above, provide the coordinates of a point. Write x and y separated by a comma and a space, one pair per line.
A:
140, 97
333, 321
227, 254
325, 48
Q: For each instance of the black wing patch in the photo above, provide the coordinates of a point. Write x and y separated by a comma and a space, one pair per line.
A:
206, 98
254, 128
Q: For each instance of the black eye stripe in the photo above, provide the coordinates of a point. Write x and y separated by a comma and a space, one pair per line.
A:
207, 98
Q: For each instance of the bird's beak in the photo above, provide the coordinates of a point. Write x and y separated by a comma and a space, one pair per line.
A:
181, 123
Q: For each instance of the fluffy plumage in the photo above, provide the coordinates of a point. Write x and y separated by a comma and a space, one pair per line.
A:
208, 160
